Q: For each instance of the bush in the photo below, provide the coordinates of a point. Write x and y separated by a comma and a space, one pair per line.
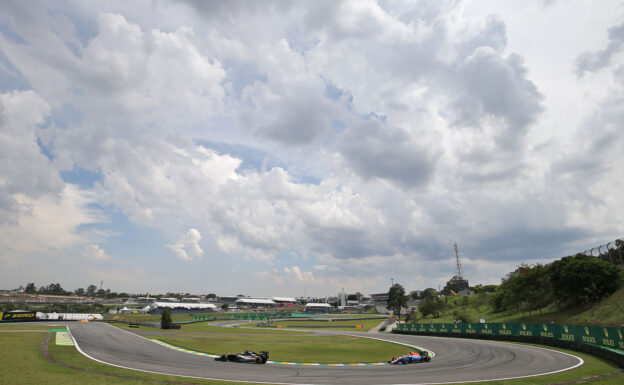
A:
462, 316
165, 319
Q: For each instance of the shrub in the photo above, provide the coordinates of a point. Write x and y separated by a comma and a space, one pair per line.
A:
165, 319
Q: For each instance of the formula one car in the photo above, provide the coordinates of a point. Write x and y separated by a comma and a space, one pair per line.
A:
245, 357
417, 356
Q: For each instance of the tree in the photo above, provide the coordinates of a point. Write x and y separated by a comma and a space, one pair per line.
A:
537, 286
53, 288
80, 291
91, 290
224, 307
431, 306
455, 284
582, 279
211, 295
484, 289
396, 299
429, 293
30, 288
165, 319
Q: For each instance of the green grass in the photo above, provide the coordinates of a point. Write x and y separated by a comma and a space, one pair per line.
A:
147, 317
206, 327
33, 326
608, 312
23, 364
325, 349
331, 325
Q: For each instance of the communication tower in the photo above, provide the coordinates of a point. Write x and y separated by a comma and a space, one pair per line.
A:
461, 282
460, 273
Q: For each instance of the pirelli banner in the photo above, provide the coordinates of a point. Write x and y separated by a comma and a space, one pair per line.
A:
609, 337
18, 316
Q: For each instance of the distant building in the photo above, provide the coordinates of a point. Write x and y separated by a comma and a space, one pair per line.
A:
318, 308
284, 301
255, 302
342, 298
229, 299
379, 298
181, 307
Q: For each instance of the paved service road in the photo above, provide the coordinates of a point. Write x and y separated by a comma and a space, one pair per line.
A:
456, 360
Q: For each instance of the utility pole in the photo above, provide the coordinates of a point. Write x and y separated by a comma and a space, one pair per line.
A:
391, 282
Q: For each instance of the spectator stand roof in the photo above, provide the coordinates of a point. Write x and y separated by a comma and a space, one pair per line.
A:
185, 305
255, 301
313, 304
284, 299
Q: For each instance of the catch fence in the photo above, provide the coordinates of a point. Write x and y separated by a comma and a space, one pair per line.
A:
612, 252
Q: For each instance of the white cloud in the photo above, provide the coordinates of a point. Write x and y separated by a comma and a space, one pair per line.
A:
188, 247
355, 136
297, 275
40, 213
94, 252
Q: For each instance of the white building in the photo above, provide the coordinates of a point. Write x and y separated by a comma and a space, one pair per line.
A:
317, 307
254, 302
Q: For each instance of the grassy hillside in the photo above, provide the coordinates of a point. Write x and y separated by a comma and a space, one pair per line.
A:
608, 312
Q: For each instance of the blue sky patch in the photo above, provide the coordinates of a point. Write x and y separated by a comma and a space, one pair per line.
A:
82, 177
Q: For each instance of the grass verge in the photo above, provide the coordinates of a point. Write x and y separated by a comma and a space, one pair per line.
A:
33, 326
331, 325
22, 363
321, 349
205, 327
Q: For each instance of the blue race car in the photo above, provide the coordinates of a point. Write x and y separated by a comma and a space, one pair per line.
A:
417, 356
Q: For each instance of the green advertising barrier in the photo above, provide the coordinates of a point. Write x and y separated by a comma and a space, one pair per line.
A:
610, 337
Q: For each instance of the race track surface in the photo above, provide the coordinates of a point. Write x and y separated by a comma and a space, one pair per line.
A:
456, 360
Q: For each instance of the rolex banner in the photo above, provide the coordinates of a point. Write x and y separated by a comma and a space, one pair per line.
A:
610, 337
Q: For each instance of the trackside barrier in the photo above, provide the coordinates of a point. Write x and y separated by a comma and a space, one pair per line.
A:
603, 341
243, 316
134, 324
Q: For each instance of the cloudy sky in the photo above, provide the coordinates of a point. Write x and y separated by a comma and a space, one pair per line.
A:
299, 147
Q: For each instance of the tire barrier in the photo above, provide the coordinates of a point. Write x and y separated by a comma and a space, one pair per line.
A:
602, 341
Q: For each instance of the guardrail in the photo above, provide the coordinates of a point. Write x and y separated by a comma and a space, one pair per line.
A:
604, 341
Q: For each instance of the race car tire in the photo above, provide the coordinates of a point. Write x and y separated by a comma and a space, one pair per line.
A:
404, 360
258, 360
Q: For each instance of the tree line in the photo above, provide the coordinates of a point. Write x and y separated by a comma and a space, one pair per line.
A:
570, 281
56, 289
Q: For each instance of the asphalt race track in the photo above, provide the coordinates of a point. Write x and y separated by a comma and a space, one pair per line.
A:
456, 360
